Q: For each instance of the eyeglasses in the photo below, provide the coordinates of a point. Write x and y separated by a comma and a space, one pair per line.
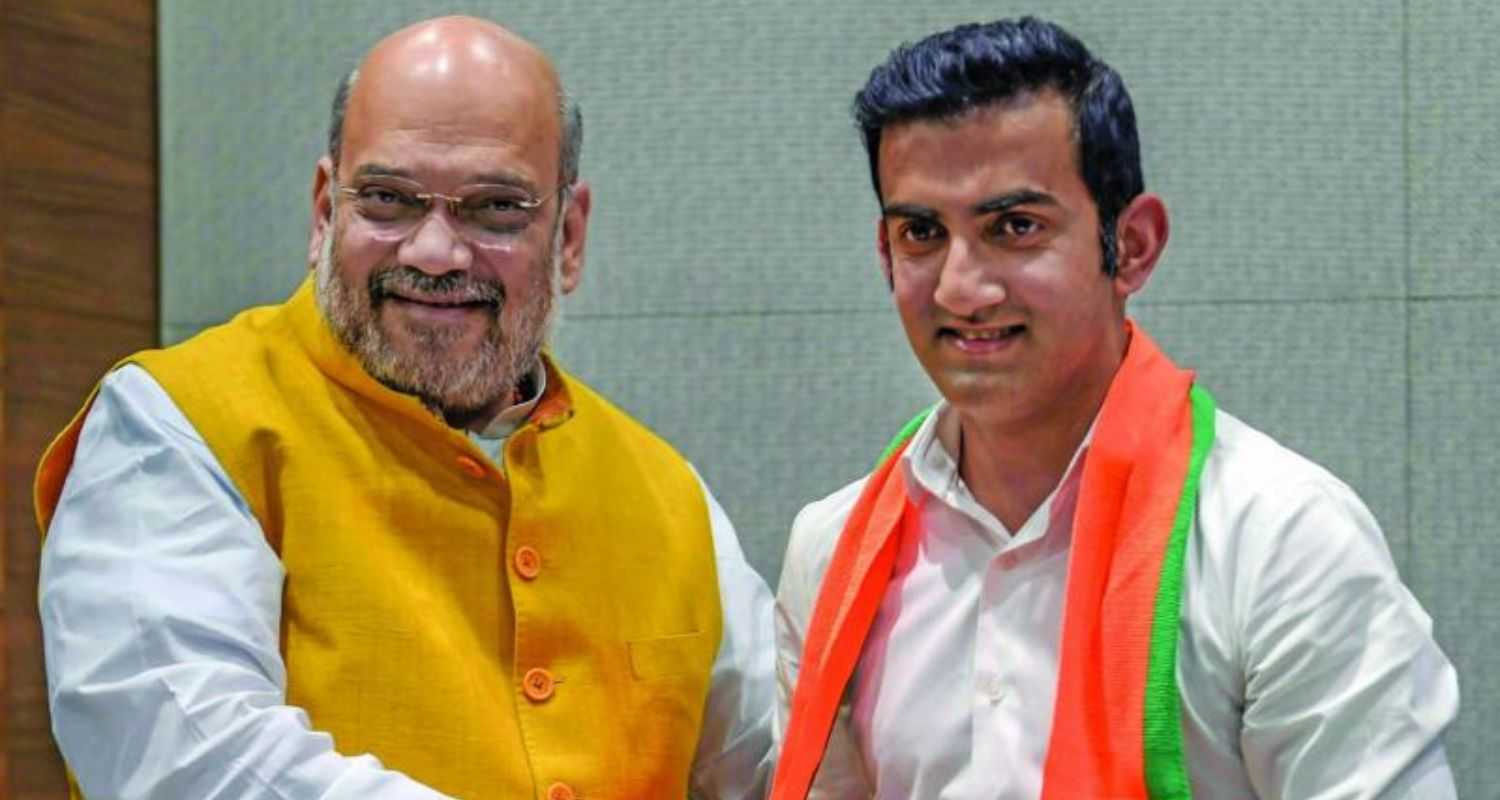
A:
485, 213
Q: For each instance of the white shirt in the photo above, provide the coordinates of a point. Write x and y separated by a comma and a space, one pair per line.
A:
161, 602
1306, 669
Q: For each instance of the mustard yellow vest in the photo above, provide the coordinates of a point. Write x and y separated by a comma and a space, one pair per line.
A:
544, 632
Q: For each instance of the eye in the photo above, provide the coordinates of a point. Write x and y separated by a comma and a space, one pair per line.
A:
499, 204
500, 211
920, 231
382, 203
385, 196
1014, 226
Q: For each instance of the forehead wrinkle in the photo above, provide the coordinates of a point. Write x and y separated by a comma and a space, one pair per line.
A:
458, 135
452, 155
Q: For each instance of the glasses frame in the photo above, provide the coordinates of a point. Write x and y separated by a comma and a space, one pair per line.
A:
454, 205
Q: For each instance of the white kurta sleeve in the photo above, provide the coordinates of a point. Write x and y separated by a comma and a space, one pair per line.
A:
734, 756
1346, 692
161, 603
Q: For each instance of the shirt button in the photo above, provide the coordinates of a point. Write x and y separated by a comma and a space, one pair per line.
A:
471, 466
528, 562
991, 687
538, 685
560, 791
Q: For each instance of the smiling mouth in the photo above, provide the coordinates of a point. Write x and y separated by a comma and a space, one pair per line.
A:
444, 302
983, 335
448, 303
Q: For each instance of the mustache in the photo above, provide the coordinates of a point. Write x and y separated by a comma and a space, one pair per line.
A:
449, 288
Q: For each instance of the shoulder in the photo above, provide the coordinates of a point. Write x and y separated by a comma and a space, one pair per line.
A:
231, 371
1254, 489
611, 442
254, 328
1244, 456
602, 416
131, 417
1277, 532
815, 533
818, 526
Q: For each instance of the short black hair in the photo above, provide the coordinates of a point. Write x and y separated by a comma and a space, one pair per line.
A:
976, 65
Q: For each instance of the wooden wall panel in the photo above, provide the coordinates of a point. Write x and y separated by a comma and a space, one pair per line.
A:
78, 285
5, 527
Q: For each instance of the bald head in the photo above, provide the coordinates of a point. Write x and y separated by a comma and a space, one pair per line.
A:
466, 75
431, 43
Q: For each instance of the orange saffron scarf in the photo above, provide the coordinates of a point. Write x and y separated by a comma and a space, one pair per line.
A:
1116, 730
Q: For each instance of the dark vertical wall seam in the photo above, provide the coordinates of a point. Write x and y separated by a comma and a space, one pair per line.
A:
1409, 557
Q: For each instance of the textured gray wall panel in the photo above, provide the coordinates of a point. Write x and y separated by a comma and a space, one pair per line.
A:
1455, 148
775, 410
1269, 128
1455, 467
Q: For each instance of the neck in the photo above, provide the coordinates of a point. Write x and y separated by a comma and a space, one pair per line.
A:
1010, 474
477, 420
1011, 465
473, 420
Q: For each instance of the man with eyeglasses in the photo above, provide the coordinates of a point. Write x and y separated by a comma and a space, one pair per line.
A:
1076, 578
373, 542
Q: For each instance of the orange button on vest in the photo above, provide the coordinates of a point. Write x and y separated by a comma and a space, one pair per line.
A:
538, 685
528, 562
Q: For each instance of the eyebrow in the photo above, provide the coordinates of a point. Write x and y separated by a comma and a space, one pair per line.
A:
1009, 200
498, 178
380, 171
989, 205
909, 210
505, 179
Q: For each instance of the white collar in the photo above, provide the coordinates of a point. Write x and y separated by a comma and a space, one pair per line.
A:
932, 470
506, 422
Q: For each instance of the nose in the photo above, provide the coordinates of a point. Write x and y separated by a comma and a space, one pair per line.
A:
967, 284
435, 247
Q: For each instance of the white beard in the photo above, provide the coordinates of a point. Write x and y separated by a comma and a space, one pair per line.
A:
457, 388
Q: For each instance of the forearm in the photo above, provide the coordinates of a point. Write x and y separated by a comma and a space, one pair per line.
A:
201, 731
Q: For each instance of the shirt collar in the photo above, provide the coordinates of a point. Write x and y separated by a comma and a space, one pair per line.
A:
530, 390
932, 471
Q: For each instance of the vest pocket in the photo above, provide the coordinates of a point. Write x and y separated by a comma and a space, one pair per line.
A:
665, 656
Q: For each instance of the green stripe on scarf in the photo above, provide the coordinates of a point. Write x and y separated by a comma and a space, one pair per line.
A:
1165, 762
907, 431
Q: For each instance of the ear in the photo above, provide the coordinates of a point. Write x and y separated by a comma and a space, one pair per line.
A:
883, 247
322, 210
575, 234
1140, 237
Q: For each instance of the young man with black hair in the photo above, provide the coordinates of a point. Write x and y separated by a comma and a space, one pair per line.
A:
1075, 577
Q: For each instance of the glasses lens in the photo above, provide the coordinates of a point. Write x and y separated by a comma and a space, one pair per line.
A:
499, 209
383, 203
